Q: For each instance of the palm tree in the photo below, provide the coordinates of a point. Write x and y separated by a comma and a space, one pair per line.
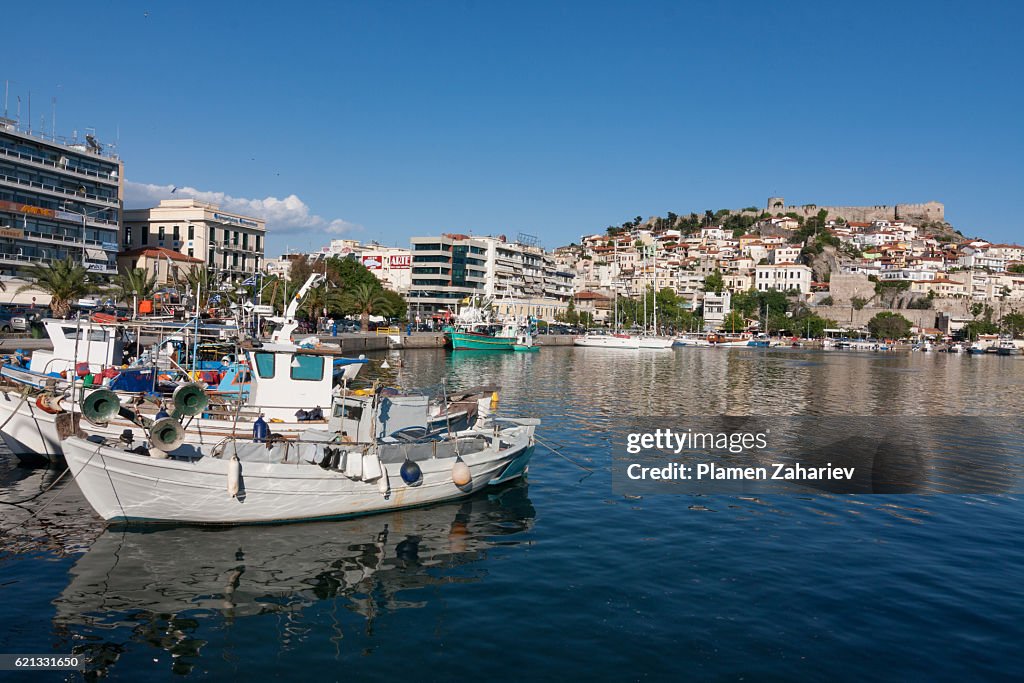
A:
134, 282
65, 281
319, 299
197, 279
367, 300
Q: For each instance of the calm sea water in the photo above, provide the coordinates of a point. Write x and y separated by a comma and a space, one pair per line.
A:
558, 577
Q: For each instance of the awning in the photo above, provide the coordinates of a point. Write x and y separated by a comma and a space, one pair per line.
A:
96, 254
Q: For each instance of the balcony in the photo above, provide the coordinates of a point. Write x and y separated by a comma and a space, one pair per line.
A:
39, 162
58, 191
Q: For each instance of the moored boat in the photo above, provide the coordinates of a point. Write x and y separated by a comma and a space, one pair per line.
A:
242, 482
607, 341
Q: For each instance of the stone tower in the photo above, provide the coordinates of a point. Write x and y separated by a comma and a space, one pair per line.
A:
775, 204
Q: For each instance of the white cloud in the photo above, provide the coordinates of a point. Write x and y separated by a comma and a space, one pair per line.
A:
290, 214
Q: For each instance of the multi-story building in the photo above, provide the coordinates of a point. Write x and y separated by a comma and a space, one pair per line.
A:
783, 277
391, 265
446, 270
231, 245
58, 199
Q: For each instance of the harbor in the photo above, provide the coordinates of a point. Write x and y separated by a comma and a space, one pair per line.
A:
672, 573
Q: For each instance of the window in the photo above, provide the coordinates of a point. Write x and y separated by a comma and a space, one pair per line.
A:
163, 233
191, 252
127, 235
191, 231
213, 235
307, 368
265, 365
245, 240
177, 233
145, 234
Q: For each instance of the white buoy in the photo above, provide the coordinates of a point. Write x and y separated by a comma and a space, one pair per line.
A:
353, 465
371, 467
383, 485
234, 474
460, 473
385, 365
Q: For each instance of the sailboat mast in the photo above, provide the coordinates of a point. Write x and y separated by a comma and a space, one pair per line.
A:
654, 257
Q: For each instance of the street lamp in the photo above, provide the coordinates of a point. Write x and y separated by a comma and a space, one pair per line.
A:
85, 215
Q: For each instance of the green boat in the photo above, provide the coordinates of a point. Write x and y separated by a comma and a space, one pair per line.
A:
479, 341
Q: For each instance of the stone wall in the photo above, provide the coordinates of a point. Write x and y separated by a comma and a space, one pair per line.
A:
927, 211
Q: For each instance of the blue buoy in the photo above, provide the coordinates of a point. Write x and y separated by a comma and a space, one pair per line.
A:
260, 430
411, 472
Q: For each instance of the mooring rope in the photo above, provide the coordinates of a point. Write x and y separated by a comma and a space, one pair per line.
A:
560, 454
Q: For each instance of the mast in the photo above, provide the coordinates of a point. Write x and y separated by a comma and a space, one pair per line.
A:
654, 301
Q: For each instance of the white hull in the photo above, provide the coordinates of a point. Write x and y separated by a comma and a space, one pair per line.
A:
607, 341
31, 433
655, 342
125, 487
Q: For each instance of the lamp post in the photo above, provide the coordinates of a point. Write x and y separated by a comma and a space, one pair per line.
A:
135, 304
85, 215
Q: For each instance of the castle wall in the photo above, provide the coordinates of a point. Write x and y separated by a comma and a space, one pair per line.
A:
927, 211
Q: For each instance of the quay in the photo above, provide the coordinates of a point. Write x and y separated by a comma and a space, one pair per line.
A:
357, 342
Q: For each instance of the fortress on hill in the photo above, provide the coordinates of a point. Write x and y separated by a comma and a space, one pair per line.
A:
926, 212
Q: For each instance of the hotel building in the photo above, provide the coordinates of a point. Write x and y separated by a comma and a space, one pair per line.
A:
58, 199
231, 245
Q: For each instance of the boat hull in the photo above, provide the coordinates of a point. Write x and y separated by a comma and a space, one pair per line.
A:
127, 488
607, 342
655, 343
462, 341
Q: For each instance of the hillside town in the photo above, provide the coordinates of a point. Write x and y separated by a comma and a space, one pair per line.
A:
61, 200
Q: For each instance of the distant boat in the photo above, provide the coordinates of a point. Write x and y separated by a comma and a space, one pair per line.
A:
652, 342
1006, 347
607, 341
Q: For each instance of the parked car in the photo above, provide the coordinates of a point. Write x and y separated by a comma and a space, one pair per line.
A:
23, 318
6, 320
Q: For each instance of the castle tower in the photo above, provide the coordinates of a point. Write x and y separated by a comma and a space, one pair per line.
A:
776, 204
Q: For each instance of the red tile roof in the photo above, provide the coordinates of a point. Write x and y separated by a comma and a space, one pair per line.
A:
158, 252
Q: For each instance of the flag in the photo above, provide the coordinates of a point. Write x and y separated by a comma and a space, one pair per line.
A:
250, 282
214, 300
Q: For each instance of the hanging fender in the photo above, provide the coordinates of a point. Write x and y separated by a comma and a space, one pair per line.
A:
48, 404
234, 476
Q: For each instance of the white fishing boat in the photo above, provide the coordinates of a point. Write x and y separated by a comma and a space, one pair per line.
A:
242, 482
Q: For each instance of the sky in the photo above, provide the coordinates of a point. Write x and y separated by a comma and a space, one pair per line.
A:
384, 120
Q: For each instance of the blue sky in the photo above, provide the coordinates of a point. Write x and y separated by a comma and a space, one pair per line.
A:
383, 120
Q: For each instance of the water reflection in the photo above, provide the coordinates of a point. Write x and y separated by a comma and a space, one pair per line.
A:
157, 587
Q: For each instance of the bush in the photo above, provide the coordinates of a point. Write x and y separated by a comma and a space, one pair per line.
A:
858, 302
827, 301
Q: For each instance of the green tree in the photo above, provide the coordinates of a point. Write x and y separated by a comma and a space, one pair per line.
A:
196, 280
134, 282
733, 322
714, 282
858, 302
571, 316
1013, 323
322, 300
65, 281
889, 325
366, 300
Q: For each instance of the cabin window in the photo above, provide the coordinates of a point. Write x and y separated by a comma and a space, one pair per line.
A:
84, 335
310, 368
348, 410
265, 365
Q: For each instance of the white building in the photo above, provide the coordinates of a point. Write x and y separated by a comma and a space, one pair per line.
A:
783, 277
230, 244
